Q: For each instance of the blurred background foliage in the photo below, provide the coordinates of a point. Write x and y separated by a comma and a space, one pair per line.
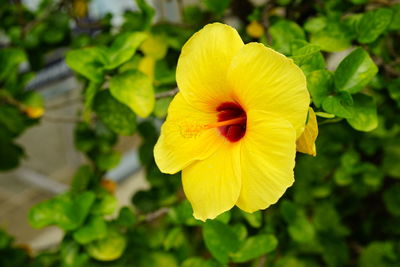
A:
344, 208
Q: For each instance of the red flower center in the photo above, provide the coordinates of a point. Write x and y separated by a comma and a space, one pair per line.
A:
234, 118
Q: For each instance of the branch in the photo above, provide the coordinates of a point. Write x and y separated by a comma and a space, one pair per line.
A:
167, 93
156, 214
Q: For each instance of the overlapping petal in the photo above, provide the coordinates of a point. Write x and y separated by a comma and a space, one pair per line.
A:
213, 185
267, 80
203, 65
182, 139
267, 160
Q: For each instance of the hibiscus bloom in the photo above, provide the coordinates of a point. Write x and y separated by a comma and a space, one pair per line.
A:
232, 128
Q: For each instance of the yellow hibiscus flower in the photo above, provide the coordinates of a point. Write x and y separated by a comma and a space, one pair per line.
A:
232, 128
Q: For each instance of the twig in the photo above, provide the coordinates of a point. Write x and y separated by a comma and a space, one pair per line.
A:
156, 214
167, 93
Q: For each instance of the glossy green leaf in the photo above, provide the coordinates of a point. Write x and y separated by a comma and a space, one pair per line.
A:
134, 89
372, 24
220, 240
199, 262
364, 115
254, 247
355, 71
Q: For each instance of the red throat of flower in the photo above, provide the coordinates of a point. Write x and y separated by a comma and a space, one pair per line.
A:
231, 121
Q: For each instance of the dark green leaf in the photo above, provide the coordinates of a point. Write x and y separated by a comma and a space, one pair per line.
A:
217, 7
126, 217
254, 247
391, 198
372, 24
320, 85
339, 105
82, 178
220, 240
117, 116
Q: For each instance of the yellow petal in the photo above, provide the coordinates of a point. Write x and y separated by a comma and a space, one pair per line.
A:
306, 142
203, 64
267, 160
182, 139
213, 185
267, 80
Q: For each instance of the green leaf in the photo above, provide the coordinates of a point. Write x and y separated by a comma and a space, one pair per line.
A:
254, 247
161, 107
339, 105
68, 211
108, 160
307, 56
315, 24
283, 33
147, 12
199, 262
109, 248
300, 229
364, 115
126, 217
174, 239
105, 204
320, 85
10, 154
391, 199
134, 89
254, 219
394, 90
123, 48
89, 62
220, 240
71, 255
217, 7
10, 59
391, 157
115, 115
395, 24
95, 229
380, 254
82, 178
372, 24
355, 71
334, 37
